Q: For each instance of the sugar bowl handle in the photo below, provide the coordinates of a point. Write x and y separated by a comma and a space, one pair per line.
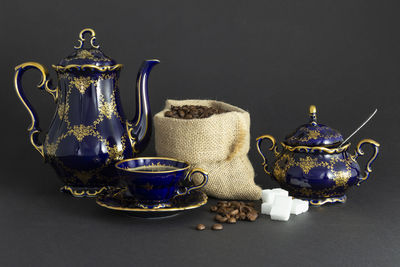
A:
359, 152
34, 128
272, 148
189, 177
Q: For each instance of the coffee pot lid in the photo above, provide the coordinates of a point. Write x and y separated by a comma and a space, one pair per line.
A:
314, 134
86, 57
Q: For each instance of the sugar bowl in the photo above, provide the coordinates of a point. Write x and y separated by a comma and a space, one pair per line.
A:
313, 163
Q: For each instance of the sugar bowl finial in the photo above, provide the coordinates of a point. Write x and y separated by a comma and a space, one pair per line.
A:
313, 115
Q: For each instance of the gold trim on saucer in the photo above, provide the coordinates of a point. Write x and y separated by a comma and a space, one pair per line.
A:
203, 202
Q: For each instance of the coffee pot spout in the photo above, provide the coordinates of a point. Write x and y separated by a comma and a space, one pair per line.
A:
140, 128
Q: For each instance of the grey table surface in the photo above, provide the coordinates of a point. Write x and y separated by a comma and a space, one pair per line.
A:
272, 58
42, 227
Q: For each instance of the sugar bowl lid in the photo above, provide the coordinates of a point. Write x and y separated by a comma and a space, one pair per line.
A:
314, 134
91, 57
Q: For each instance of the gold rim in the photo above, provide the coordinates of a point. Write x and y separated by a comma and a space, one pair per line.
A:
89, 66
155, 158
203, 202
309, 149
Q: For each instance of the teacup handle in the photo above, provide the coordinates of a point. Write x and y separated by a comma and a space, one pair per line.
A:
189, 176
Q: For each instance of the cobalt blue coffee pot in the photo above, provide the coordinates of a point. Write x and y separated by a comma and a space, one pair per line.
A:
313, 164
88, 133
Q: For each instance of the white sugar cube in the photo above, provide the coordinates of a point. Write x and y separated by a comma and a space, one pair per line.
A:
280, 192
281, 208
305, 206
299, 206
268, 196
266, 208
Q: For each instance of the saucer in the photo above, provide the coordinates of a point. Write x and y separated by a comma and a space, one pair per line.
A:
117, 199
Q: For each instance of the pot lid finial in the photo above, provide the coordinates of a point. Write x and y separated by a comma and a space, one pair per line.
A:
87, 54
82, 39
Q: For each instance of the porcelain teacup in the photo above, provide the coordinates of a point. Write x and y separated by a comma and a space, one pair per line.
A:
155, 181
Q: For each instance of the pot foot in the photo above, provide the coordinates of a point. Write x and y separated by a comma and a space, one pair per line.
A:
83, 191
322, 201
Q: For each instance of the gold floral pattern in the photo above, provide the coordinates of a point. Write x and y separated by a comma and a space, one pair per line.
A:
84, 54
51, 148
107, 109
342, 177
281, 167
307, 163
81, 131
82, 83
312, 135
116, 152
84, 176
61, 110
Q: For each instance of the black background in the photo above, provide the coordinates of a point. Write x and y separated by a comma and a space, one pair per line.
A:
272, 58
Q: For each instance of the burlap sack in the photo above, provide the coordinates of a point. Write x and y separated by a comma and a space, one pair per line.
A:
218, 144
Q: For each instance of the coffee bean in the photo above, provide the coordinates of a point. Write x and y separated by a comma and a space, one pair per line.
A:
220, 218
252, 216
168, 113
234, 212
217, 226
214, 208
200, 227
246, 209
232, 220
181, 113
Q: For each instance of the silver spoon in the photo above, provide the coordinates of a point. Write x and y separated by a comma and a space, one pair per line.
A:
362, 125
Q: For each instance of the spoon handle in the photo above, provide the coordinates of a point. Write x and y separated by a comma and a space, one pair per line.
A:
362, 125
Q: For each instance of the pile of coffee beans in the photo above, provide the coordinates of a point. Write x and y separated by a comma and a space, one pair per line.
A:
192, 112
231, 212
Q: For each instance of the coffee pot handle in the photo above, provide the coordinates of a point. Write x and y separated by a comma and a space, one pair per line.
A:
34, 128
359, 152
189, 177
273, 147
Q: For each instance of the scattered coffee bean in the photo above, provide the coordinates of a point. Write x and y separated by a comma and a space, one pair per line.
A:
192, 112
200, 227
213, 208
217, 226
